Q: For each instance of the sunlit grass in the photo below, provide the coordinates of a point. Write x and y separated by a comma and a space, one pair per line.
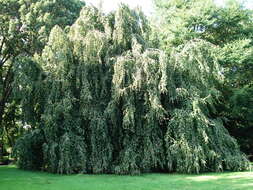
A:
14, 179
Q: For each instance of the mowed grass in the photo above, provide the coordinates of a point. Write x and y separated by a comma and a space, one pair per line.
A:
12, 178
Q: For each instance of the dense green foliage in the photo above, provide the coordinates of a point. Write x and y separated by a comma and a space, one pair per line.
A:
88, 92
113, 104
229, 28
24, 30
14, 179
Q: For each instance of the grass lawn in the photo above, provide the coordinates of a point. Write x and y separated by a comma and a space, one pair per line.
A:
13, 179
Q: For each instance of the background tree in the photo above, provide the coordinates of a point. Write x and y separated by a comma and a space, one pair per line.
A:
230, 29
24, 30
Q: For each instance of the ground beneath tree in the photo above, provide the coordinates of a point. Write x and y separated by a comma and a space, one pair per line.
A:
13, 179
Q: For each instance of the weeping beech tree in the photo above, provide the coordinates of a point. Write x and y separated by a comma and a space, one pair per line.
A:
115, 105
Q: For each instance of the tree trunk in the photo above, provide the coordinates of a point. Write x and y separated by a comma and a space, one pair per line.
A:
1, 131
6, 91
1, 152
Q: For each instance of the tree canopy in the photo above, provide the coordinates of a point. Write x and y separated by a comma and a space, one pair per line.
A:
113, 103
230, 29
24, 30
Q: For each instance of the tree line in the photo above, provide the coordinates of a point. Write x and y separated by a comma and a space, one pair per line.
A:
84, 91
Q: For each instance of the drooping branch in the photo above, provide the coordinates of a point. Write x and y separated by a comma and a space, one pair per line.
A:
114, 105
